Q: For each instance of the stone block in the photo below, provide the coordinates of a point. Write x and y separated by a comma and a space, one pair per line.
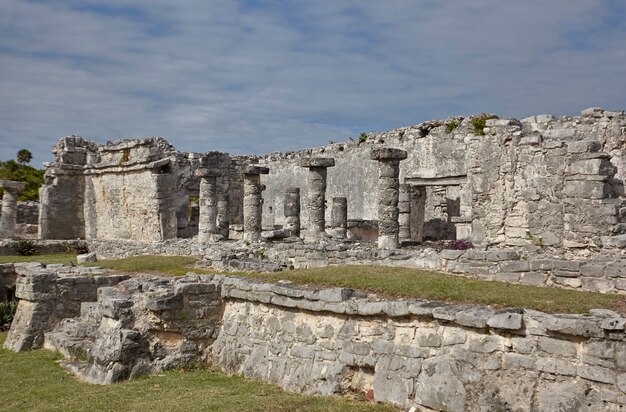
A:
573, 325
597, 373
506, 320
614, 242
255, 170
597, 285
587, 189
450, 254
86, 258
317, 162
474, 317
427, 337
388, 153
501, 255
558, 347
596, 112
534, 278
515, 266
599, 167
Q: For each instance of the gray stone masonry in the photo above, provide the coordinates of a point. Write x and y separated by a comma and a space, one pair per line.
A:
207, 223
317, 194
292, 210
252, 202
8, 218
339, 217
223, 220
404, 212
388, 194
409, 353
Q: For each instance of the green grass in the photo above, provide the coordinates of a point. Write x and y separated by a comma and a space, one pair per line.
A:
64, 258
414, 283
33, 381
391, 282
169, 265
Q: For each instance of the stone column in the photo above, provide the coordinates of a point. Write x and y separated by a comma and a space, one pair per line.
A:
388, 194
339, 217
223, 212
207, 221
8, 219
317, 193
404, 212
292, 210
252, 202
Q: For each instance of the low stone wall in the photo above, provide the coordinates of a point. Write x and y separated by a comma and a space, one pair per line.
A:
410, 353
48, 295
42, 247
601, 273
423, 354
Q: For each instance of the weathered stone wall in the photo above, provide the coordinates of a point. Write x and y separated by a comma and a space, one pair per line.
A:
551, 182
410, 353
417, 353
49, 295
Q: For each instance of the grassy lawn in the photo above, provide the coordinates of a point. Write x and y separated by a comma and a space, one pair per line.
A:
394, 283
33, 381
169, 265
412, 283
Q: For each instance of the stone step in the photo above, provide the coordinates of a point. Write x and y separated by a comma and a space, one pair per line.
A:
78, 328
91, 311
70, 347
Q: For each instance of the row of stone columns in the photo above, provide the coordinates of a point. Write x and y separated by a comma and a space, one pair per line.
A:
389, 211
8, 219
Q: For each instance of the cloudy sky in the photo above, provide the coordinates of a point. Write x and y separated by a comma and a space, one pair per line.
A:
256, 76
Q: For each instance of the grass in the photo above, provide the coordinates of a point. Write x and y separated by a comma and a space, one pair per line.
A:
64, 258
412, 283
33, 381
169, 265
395, 283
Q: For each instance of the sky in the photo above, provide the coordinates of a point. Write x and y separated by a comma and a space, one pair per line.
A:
258, 76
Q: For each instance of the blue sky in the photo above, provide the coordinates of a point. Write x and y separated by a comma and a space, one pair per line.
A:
257, 76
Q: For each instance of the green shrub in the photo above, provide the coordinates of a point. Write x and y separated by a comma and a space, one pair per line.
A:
362, 138
33, 178
7, 311
23, 247
451, 125
81, 247
479, 122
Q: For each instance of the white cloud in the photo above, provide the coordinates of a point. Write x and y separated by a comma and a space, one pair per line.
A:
216, 75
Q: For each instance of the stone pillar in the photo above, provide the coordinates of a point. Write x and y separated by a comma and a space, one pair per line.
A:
418, 212
292, 210
252, 202
8, 219
388, 188
317, 193
404, 210
207, 220
223, 212
339, 217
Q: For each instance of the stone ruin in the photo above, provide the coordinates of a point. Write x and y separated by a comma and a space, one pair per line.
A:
541, 201
541, 189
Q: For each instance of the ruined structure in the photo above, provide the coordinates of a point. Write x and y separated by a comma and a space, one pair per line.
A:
411, 353
8, 218
544, 187
541, 201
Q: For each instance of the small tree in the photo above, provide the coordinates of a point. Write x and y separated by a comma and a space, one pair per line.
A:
24, 156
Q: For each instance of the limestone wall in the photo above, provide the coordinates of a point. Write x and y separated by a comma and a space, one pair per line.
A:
410, 353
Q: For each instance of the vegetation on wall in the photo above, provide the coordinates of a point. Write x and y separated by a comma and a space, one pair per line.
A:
19, 170
479, 122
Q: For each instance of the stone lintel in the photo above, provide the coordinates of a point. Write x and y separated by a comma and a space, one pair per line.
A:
317, 162
255, 170
436, 181
295, 190
206, 172
12, 184
388, 153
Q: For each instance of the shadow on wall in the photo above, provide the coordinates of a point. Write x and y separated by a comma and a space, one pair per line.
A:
442, 228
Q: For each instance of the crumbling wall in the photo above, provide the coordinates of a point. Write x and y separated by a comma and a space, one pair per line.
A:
410, 353
421, 354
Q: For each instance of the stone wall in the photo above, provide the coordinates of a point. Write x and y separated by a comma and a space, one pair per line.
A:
47, 296
409, 353
8, 276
